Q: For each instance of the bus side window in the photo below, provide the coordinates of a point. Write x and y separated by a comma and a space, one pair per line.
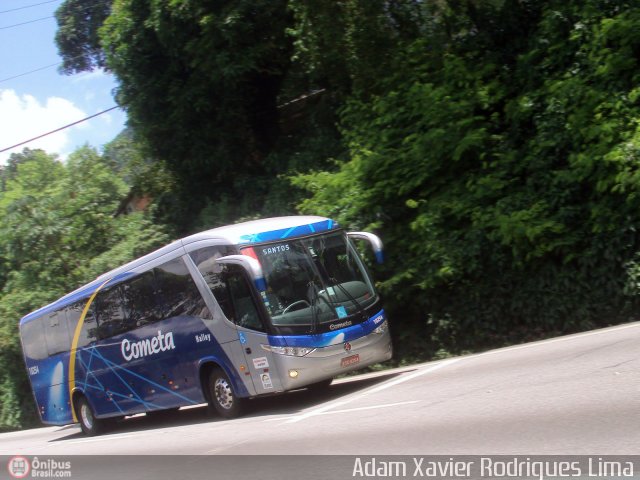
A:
140, 300
33, 342
110, 313
89, 331
56, 332
244, 306
178, 292
229, 286
213, 274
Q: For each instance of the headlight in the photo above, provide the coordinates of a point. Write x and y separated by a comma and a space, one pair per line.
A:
290, 351
382, 328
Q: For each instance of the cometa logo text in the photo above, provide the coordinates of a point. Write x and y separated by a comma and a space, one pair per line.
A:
149, 346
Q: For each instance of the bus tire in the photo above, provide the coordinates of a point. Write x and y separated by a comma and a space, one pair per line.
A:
222, 398
89, 424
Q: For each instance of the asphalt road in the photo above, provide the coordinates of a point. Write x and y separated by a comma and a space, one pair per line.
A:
578, 394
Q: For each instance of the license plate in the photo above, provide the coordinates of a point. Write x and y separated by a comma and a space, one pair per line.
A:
348, 361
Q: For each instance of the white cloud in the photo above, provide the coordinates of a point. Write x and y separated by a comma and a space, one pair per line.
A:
24, 117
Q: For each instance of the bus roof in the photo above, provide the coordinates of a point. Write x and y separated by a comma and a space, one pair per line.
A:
266, 230
245, 233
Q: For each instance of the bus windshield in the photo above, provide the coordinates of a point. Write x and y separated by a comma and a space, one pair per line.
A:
314, 282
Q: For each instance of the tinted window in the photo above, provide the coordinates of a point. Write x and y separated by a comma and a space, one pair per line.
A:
178, 292
229, 286
140, 300
246, 314
89, 332
110, 312
33, 339
56, 332
212, 273
73, 315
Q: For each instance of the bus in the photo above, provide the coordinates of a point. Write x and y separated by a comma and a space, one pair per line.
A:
219, 317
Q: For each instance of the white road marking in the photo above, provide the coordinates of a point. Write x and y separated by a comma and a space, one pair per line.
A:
369, 391
350, 410
370, 407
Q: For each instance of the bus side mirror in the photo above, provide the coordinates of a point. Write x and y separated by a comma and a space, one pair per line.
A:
251, 266
374, 240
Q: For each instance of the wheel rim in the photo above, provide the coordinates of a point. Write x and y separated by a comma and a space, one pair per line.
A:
86, 415
223, 393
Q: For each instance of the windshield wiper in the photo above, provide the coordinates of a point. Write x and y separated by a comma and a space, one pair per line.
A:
314, 306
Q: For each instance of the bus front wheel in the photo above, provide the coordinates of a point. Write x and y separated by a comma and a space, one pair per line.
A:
221, 395
89, 424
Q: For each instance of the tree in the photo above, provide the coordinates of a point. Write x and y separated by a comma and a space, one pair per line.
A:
57, 231
346, 46
202, 83
77, 35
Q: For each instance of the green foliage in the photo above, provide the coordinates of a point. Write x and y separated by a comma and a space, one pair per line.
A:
200, 82
57, 231
502, 174
214, 100
145, 175
77, 35
345, 45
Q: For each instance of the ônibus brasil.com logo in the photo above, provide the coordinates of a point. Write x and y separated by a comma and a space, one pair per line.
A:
20, 467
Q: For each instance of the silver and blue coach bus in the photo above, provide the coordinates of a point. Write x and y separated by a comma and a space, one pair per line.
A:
221, 316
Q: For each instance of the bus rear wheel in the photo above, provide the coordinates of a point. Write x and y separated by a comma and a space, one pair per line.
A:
222, 398
89, 424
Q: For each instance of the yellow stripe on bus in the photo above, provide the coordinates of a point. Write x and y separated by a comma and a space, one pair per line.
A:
74, 346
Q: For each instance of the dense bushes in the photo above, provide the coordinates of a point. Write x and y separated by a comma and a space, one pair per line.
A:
500, 165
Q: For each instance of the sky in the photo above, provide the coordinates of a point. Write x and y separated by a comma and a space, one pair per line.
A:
42, 101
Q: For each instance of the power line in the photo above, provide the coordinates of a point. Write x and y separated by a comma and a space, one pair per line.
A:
27, 6
79, 10
18, 75
59, 129
29, 72
26, 23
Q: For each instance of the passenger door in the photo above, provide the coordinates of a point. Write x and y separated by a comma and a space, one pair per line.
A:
251, 332
238, 311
